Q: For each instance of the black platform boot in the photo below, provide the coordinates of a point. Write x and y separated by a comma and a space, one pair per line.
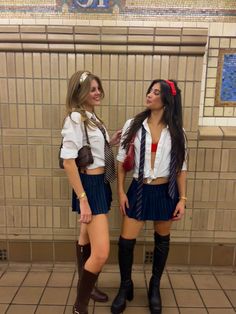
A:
160, 255
125, 256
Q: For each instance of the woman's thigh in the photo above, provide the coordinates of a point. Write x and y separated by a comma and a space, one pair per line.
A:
98, 232
131, 227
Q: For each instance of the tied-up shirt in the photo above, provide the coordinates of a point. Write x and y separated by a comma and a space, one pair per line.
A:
74, 138
162, 158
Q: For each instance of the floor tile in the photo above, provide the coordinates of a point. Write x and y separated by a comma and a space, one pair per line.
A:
188, 298
28, 295
168, 298
7, 294
12, 278
182, 281
3, 308
227, 281
139, 280
52, 309
232, 296
68, 310
36, 279
109, 280
135, 310
214, 298
192, 310
55, 296
206, 282
21, 309
140, 298
72, 297
170, 310
221, 311
60, 279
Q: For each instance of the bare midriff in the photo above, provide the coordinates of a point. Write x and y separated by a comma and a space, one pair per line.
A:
99, 170
161, 180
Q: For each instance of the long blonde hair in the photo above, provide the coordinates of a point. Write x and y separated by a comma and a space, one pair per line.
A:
77, 92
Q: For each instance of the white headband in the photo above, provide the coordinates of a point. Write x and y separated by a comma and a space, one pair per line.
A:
83, 76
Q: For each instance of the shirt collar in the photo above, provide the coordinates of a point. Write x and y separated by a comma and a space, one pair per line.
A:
90, 114
145, 124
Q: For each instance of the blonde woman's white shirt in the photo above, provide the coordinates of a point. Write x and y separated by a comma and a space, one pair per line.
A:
162, 159
74, 138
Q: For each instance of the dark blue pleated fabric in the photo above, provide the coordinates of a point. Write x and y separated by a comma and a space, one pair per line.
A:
156, 203
98, 193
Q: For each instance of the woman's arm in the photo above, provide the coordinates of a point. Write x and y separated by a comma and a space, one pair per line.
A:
181, 184
115, 139
123, 200
75, 182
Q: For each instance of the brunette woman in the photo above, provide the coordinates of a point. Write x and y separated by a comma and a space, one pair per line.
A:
157, 192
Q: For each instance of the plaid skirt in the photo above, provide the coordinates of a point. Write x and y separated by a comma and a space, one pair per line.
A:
98, 192
156, 202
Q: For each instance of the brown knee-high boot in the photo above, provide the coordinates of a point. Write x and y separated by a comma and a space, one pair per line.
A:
83, 252
87, 282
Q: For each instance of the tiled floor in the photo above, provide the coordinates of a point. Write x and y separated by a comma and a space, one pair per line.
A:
48, 289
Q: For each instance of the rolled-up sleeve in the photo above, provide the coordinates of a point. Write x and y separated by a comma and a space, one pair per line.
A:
122, 152
72, 135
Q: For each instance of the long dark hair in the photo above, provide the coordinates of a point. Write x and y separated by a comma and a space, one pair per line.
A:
172, 117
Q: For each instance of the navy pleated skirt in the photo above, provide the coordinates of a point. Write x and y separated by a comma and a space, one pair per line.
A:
156, 202
98, 193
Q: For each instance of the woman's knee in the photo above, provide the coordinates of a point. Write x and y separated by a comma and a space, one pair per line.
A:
100, 257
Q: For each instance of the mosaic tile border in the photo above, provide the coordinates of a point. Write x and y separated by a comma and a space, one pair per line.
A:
219, 78
110, 9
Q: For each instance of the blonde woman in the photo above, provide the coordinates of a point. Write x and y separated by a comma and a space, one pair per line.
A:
91, 184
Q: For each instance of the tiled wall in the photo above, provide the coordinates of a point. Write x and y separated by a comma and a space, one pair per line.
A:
127, 44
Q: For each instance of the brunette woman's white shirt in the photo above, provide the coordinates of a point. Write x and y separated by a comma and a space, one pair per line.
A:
162, 158
74, 138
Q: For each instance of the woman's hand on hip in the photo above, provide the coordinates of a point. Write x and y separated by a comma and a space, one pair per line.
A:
179, 210
124, 203
85, 211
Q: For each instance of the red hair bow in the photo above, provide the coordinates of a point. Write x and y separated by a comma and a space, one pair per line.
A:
172, 87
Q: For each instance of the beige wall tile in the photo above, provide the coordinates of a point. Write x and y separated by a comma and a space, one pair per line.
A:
33, 101
54, 65
3, 66
182, 68
139, 67
71, 64
12, 91
122, 67
3, 91
173, 68
45, 57
156, 73
165, 67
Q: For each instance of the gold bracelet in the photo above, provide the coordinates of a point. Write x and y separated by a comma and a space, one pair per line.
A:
183, 198
82, 195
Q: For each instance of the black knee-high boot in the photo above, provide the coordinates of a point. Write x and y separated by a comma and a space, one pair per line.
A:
160, 255
125, 256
